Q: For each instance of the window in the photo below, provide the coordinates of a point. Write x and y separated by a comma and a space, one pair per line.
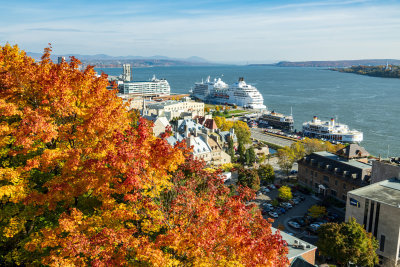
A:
326, 178
312, 173
344, 186
382, 243
336, 182
366, 213
316, 185
378, 207
371, 216
333, 193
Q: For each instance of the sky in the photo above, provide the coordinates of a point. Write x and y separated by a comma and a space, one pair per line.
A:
224, 31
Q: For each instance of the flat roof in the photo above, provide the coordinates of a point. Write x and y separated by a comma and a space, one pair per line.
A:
290, 240
387, 192
350, 162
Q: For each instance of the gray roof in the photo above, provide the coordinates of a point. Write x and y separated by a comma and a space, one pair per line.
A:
290, 240
191, 125
386, 192
353, 163
301, 262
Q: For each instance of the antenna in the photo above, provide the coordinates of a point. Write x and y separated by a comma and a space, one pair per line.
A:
291, 111
388, 152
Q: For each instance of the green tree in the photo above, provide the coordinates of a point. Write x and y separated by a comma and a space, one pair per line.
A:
226, 112
247, 157
266, 173
231, 149
285, 193
252, 155
249, 178
285, 159
242, 152
347, 242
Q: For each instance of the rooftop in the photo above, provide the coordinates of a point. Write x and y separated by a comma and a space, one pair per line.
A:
387, 192
295, 249
353, 163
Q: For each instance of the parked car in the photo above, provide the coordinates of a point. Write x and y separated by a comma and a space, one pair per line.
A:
296, 201
300, 221
265, 190
286, 205
271, 186
294, 224
280, 210
273, 214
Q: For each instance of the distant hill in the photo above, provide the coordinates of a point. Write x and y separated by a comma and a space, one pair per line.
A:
104, 61
334, 64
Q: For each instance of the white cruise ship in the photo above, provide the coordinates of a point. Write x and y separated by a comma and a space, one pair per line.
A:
331, 131
219, 92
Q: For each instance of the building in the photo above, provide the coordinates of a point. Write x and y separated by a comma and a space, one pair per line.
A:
126, 74
204, 147
300, 253
175, 109
153, 87
332, 175
159, 124
377, 208
385, 169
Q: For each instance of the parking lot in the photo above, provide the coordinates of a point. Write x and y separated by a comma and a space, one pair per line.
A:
284, 220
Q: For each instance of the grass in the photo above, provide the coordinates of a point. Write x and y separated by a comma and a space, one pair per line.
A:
273, 146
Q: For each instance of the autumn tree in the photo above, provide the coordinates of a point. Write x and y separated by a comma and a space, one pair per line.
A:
347, 242
317, 211
84, 182
285, 193
285, 159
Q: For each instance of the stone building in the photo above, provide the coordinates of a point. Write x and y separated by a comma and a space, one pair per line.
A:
385, 169
331, 175
377, 208
175, 109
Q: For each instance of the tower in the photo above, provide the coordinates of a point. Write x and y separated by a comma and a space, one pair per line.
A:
60, 60
127, 74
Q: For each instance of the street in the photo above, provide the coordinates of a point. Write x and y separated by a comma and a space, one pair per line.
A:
257, 133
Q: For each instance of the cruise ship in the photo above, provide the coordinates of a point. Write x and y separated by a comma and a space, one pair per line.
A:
331, 131
277, 120
239, 93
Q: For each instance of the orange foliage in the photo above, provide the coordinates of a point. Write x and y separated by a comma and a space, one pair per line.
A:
84, 182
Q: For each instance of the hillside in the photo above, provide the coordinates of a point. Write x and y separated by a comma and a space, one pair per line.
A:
333, 64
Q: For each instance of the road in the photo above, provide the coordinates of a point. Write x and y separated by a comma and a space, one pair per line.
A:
259, 135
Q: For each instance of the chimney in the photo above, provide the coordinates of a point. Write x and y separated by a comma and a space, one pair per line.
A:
333, 122
315, 118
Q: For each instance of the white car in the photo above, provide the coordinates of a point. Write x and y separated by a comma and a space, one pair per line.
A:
273, 214
294, 224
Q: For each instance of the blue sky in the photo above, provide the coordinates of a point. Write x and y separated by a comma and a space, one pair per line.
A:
223, 31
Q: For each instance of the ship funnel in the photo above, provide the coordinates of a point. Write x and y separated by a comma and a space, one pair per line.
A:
241, 79
332, 121
315, 118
